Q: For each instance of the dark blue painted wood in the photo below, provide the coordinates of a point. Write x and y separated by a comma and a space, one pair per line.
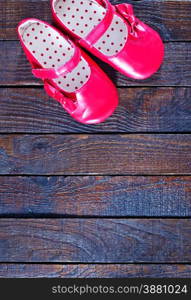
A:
95, 196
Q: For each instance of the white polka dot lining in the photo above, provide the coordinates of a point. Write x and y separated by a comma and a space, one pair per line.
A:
52, 50
82, 16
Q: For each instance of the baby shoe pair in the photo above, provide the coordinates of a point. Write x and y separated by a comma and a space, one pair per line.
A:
110, 32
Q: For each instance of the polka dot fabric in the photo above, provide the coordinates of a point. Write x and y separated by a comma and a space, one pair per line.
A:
82, 16
52, 50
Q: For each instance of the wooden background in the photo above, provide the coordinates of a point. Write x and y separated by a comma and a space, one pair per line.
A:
112, 200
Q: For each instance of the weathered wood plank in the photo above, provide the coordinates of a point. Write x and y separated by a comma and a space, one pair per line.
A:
95, 154
96, 196
176, 69
95, 240
94, 271
140, 110
170, 18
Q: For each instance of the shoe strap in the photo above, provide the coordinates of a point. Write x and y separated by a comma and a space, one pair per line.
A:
52, 73
102, 27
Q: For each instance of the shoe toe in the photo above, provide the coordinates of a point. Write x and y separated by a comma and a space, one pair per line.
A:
142, 56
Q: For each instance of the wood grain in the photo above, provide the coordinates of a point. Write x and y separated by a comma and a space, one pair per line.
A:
95, 240
94, 271
81, 234
95, 154
170, 18
95, 196
176, 69
140, 110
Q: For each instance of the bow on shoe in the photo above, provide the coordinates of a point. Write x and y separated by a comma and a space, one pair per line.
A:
66, 102
126, 11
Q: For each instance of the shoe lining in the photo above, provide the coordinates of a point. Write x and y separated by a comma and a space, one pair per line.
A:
52, 50
82, 16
